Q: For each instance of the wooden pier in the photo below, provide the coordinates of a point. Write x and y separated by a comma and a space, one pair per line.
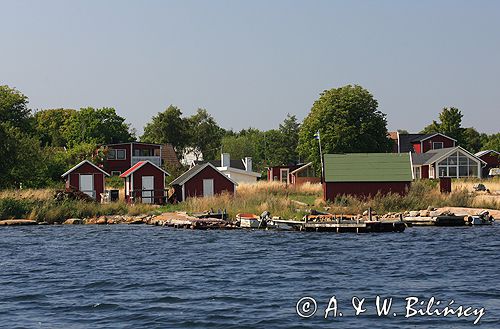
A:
342, 226
449, 220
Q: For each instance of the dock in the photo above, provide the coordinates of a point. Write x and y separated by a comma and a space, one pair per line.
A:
448, 220
343, 226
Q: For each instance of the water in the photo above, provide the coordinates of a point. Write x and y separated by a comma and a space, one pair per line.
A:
152, 277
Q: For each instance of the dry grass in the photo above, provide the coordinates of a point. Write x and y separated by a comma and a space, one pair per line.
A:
492, 184
28, 194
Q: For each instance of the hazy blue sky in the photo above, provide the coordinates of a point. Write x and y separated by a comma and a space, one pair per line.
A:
251, 62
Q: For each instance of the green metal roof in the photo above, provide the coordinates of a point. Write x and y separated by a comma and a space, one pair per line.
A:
368, 167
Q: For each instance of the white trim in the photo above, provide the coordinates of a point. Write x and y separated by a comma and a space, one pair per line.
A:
431, 136
454, 149
287, 175
195, 172
140, 166
411, 166
116, 171
399, 145
239, 171
183, 193
131, 153
301, 167
434, 148
80, 164
485, 152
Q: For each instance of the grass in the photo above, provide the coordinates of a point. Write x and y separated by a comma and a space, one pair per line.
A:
275, 197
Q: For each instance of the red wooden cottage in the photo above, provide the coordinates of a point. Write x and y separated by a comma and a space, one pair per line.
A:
421, 143
366, 174
202, 180
88, 178
491, 158
145, 182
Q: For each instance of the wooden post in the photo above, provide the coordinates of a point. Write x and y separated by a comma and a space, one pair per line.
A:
370, 214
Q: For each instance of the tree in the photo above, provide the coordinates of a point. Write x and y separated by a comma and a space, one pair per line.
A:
97, 126
289, 130
51, 126
471, 140
492, 142
168, 127
247, 143
14, 109
450, 124
348, 121
205, 135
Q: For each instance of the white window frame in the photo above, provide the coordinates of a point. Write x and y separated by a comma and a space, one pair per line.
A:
434, 147
116, 173
110, 152
124, 154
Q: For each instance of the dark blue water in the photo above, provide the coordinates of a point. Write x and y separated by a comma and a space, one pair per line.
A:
152, 277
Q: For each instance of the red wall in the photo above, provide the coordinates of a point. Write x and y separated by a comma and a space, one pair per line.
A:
492, 161
363, 189
123, 165
425, 171
194, 186
427, 144
416, 147
73, 179
159, 181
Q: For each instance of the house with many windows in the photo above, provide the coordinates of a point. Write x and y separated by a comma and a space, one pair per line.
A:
454, 162
122, 156
437, 155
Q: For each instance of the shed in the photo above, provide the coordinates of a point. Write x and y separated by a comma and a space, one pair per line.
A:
304, 174
366, 174
492, 160
145, 182
87, 178
202, 180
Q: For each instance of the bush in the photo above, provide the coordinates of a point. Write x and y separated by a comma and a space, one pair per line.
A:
14, 208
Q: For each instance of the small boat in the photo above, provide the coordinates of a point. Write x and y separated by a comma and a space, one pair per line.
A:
249, 220
480, 220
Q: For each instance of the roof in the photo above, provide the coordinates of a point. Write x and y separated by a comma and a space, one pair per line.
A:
237, 164
481, 153
80, 164
432, 156
140, 143
182, 179
368, 167
406, 140
302, 168
138, 165
169, 156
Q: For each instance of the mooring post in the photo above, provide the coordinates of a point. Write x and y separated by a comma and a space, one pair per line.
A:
370, 214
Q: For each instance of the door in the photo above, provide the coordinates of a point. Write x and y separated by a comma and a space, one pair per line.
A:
87, 185
208, 187
284, 176
148, 183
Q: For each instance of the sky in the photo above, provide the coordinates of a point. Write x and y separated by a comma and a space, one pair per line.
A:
249, 63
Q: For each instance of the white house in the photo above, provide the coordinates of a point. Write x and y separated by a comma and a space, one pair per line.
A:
240, 170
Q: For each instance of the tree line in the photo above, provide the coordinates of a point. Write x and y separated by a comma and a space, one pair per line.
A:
36, 147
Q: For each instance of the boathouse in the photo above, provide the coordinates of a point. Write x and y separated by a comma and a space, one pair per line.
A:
87, 178
366, 174
145, 182
200, 181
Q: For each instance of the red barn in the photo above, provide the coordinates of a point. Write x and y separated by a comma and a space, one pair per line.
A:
421, 143
202, 180
145, 182
366, 174
492, 159
88, 178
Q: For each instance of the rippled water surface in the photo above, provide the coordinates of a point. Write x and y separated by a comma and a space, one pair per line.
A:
152, 277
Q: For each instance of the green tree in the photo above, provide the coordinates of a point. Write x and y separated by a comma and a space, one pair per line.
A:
168, 127
97, 126
492, 142
289, 130
247, 143
471, 140
14, 109
51, 126
450, 124
205, 135
348, 121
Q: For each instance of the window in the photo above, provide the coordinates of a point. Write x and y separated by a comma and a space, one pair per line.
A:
437, 145
116, 154
120, 154
458, 165
111, 154
116, 173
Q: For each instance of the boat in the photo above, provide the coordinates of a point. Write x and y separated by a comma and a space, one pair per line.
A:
480, 220
249, 220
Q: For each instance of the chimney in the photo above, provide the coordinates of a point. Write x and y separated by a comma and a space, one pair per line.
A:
248, 163
225, 160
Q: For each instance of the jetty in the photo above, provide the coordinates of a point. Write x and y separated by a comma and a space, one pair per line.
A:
341, 226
